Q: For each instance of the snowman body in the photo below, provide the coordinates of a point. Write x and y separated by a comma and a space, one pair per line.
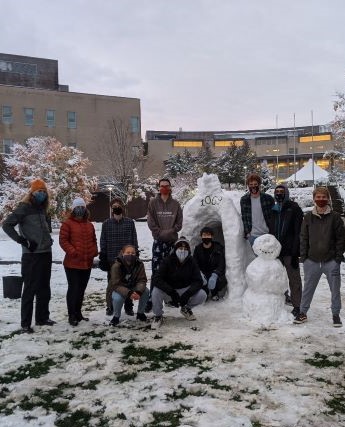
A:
266, 277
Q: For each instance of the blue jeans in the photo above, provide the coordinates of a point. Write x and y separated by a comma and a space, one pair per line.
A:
118, 301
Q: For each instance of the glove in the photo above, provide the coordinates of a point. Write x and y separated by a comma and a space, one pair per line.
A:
212, 281
184, 298
103, 262
175, 299
29, 244
294, 262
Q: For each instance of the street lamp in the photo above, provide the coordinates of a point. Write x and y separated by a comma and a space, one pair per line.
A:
245, 176
110, 187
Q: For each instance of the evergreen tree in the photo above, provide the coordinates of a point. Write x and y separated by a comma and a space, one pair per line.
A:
266, 177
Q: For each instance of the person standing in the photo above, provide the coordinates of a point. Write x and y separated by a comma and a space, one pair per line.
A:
285, 225
164, 219
210, 257
78, 239
31, 215
128, 281
256, 209
116, 232
322, 245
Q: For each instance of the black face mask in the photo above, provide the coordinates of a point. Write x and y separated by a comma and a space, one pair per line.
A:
117, 210
129, 259
279, 197
206, 240
254, 190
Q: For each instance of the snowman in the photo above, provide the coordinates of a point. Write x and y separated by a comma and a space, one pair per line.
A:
263, 300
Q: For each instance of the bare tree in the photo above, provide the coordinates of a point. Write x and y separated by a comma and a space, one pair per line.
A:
122, 161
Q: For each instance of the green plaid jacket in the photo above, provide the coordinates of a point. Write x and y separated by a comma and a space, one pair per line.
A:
267, 202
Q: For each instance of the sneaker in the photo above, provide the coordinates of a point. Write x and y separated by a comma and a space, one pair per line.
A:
142, 317
47, 322
129, 310
287, 298
27, 330
148, 307
81, 317
336, 321
114, 321
300, 318
157, 322
109, 311
73, 322
215, 298
295, 311
187, 313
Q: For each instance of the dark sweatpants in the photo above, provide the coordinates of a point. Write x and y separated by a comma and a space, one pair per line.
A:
36, 272
77, 280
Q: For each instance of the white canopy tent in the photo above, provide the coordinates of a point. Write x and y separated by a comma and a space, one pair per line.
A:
306, 173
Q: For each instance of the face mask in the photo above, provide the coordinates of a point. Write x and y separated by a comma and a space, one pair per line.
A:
40, 196
206, 240
129, 259
117, 210
279, 197
79, 211
254, 190
164, 190
321, 203
181, 254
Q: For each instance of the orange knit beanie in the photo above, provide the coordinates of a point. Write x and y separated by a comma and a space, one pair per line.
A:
38, 184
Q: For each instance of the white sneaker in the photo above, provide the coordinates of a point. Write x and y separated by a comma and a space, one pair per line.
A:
157, 322
187, 313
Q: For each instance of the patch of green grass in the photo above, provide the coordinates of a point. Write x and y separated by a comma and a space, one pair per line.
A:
230, 359
212, 383
79, 418
337, 404
251, 404
162, 358
256, 424
322, 380
47, 400
31, 370
9, 336
183, 393
126, 376
121, 416
4, 392
4, 407
90, 385
323, 361
166, 419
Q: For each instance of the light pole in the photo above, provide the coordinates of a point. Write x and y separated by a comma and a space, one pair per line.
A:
245, 176
110, 187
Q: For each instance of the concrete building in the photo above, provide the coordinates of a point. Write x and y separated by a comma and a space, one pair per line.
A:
33, 103
284, 149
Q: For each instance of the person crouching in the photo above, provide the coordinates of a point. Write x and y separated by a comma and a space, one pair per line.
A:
178, 280
128, 280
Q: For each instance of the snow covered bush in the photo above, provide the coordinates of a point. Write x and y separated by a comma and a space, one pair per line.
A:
61, 167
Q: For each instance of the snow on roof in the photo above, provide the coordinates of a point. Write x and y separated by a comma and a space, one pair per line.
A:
306, 173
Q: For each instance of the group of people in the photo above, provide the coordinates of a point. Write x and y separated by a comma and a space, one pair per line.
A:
316, 239
179, 278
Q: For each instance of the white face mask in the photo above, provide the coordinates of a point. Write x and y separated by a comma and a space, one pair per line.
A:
181, 254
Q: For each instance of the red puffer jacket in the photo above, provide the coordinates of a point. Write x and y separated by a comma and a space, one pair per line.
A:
78, 239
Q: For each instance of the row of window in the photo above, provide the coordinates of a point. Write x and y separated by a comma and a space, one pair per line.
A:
50, 115
29, 117
7, 144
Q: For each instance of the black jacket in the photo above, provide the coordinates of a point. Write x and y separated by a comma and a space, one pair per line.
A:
285, 225
173, 275
210, 261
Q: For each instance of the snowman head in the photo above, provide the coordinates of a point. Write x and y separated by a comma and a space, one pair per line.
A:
267, 247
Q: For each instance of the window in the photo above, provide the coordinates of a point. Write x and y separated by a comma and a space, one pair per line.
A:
135, 124
28, 116
7, 145
6, 114
293, 150
50, 118
71, 120
187, 144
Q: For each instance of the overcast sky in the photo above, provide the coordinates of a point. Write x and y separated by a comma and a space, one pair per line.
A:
194, 64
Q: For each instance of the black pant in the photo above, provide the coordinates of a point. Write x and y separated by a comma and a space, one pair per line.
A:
36, 272
77, 281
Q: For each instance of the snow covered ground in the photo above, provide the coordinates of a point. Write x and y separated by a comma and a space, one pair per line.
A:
220, 370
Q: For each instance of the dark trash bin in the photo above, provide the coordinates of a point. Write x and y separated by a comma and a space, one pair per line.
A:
12, 286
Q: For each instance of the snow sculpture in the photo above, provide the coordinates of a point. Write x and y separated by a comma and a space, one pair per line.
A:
214, 207
263, 300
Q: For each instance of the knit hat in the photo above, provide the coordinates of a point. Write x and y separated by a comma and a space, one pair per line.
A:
38, 184
78, 202
182, 239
